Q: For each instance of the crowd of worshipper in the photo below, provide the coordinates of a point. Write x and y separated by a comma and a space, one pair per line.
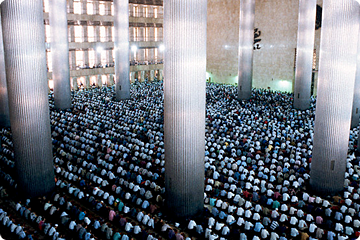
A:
109, 164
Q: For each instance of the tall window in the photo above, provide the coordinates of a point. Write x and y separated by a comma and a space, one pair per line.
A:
91, 33
77, 7
47, 33
46, 5
103, 58
113, 34
79, 58
155, 12
155, 54
146, 10
90, 8
102, 34
135, 11
102, 10
147, 34
78, 33
92, 58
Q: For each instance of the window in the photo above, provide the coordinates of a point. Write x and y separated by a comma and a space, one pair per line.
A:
135, 11
156, 54
102, 34
78, 33
46, 6
155, 12
113, 34
146, 10
92, 58
102, 10
91, 33
146, 34
47, 33
77, 7
155, 34
79, 58
103, 58
90, 8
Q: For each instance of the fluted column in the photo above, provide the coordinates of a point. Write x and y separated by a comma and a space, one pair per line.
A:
99, 81
84, 7
337, 68
305, 51
4, 100
246, 43
87, 82
28, 95
132, 77
70, 6
71, 33
75, 84
60, 54
111, 80
85, 34
355, 116
121, 45
161, 77
72, 60
142, 76
184, 105
86, 57
152, 73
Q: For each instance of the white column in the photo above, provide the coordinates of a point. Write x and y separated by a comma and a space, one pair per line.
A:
184, 105
246, 43
356, 102
60, 54
152, 73
25, 61
337, 67
305, 52
4, 100
121, 44
99, 81
75, 84
87, 82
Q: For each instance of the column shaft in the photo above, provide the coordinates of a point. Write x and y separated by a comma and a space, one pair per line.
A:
305, 51
75, 84
60, 54
99, 81
161, 75
4, 100
28, 100
87, 82
121, 45
335, 95
151, 75
356, 102
246, 43
184, 105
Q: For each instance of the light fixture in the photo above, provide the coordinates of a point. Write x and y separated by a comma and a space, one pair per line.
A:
162, 47
133, 48
99, 49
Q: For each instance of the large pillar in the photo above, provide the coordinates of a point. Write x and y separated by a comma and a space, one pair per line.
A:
337, 68
60, 54
246, 43
356, 102
184, 105
28, 95
4, 100
111, 80
121, 45
305, 52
